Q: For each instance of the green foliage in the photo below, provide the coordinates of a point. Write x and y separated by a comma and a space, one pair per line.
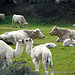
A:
47, 9
17, 68
7, 20
63, 57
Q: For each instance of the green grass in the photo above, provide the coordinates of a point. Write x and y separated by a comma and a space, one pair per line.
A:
63, 57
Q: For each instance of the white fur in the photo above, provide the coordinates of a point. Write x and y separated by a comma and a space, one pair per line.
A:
69, 42
73, 25
14, 36
59, 1
7, 53
37, 53
19, 19
2, 16
50, 45
15, 1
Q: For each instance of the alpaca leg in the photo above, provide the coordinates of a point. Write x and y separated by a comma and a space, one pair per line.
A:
13, 24
45, 66
21, 25
59, 40
36, 64
44, 60
25, 25
50, 65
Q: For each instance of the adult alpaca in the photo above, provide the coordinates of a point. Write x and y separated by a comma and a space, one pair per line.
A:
37, 53
13, 36
19, 19
7, 53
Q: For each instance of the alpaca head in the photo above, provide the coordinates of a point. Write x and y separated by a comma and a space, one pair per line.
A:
21, 42
28, 41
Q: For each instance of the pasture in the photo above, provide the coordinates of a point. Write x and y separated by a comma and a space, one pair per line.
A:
63, 57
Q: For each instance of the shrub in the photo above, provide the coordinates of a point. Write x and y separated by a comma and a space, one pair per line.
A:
17, 68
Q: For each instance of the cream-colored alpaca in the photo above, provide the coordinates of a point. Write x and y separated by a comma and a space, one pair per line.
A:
37, 53
19, 19
69, 42
7, 53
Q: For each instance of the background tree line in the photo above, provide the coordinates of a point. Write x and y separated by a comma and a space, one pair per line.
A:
42, 9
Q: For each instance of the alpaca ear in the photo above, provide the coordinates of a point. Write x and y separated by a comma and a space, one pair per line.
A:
37, 30
56, 27
23, 41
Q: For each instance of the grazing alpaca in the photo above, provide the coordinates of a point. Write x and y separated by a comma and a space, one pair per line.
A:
19, 19
38, 53
7, 53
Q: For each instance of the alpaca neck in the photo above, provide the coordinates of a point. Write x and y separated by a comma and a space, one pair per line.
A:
29, 48
19, 49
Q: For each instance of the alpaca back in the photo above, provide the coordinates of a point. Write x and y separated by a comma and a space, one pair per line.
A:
39, 51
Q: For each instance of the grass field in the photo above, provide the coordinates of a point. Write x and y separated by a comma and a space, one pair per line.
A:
63, 57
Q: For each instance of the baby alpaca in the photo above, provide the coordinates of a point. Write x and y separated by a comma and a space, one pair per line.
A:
69, 42
50, 45
7, 53
37, 53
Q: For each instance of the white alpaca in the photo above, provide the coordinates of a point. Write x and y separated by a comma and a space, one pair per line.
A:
38, 53
50, 45
7, 53
19, 19
69, 42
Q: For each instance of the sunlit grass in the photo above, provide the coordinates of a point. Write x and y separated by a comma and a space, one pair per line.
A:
63, 57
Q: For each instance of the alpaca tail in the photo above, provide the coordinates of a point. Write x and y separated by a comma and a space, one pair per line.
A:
50, 64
